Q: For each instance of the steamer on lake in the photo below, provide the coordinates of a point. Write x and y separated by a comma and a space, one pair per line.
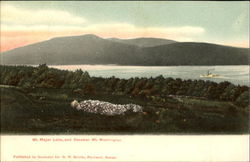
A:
209, 75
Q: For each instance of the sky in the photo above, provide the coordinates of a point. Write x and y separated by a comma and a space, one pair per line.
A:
26, 22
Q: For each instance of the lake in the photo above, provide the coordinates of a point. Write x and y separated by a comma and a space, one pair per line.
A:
233, 74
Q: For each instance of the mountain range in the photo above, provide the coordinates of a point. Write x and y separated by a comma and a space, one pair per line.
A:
91, 49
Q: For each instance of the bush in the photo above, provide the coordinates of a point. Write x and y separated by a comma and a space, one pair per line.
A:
243, 99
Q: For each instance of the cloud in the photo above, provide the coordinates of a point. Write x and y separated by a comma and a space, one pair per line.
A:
14, 15
21, 26
19, 19
124, 30
121, 30
49, 28
26, 34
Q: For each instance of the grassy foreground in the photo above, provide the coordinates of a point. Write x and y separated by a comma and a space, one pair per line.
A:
48, 111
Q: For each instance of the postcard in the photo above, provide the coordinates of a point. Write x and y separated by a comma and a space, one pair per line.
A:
124, 81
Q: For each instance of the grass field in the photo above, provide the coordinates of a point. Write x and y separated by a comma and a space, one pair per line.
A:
48, 111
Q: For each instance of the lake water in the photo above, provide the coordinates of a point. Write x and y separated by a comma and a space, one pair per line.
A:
233, 74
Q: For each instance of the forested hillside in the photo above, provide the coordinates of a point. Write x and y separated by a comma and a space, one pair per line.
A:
81, 82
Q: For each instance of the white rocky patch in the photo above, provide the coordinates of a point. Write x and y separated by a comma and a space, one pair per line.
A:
104, 108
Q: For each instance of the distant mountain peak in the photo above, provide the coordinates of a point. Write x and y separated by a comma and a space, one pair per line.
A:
92, 49
144, 41
91, 36
86, 36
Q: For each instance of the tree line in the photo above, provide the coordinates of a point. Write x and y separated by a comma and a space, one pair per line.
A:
81, 82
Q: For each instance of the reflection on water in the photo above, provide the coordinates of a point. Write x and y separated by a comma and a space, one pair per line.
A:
234, 74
